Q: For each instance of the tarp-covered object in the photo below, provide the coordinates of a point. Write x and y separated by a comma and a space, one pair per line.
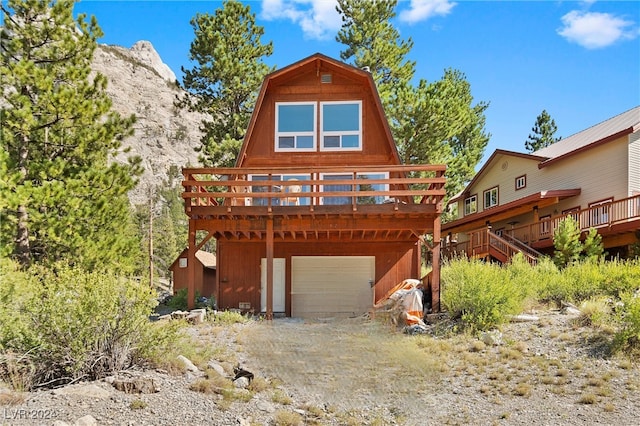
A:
405, 302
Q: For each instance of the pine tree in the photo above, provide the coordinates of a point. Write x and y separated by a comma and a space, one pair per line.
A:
543, 133
431, 122
62, 198
225, 80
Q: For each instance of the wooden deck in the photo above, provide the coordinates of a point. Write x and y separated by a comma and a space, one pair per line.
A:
399, 202
617, 222
370, 204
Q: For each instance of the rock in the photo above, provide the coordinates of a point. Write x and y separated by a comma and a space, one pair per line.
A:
491, 338
145, 52
217, 367
60, 423
89, 391
87, 420
197, 316
241, 383
179, 314
136, 385
265, 406
524, 318
164, 135
188, 365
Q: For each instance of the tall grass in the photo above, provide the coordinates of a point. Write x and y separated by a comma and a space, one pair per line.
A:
483, 295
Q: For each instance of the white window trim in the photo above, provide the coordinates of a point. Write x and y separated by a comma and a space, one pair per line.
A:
522, 179
341, 133
294, 134
484, 196
464, 204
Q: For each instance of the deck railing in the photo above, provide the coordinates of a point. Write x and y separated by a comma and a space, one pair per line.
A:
313, 186
601, 217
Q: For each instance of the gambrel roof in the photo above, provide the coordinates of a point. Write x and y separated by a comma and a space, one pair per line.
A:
318, 64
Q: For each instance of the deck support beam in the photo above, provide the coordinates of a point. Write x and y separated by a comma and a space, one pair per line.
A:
191, 266
269, 239
435, 264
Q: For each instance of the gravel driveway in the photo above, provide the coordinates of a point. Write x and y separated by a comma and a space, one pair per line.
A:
547, 372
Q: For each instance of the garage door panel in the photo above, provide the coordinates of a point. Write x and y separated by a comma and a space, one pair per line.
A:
331, 285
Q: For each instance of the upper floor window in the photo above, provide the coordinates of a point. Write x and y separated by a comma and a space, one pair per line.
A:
295, 126
521, 182
470, 205
341, 127
491, 197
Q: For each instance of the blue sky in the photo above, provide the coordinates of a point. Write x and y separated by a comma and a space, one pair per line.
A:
578, 60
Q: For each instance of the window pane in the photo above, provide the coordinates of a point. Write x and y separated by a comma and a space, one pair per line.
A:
350, 141
340, 117
332, 141
336, 188
295, 118
305, 142
285, 142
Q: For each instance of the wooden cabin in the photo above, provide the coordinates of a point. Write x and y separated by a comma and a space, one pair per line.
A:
318, 217
516, 201
204, 274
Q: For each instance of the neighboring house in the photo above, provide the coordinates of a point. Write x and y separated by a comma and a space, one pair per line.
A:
204, 273
318, 217
516, 201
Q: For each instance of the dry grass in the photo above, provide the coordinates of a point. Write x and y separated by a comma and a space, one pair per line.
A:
11, 397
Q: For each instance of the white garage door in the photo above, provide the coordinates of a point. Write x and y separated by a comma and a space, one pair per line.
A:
331, 285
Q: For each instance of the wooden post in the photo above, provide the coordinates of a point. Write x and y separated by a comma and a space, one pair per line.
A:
435, 264
269, 268
191, 266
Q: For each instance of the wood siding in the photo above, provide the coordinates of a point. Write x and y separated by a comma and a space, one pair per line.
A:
306, 85
239, 266
634, 164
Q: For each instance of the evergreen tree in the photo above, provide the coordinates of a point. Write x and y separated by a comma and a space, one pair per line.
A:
543, 133
372, 42
224, 82
61, 198
431, 122
566, 241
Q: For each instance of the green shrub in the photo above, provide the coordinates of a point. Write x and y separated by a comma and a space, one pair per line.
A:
64, 324
179, 300
566, 241
628, 318
481, 294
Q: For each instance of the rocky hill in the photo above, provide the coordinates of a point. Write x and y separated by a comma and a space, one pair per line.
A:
141, 84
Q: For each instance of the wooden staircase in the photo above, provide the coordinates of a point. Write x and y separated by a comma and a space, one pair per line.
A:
505, 247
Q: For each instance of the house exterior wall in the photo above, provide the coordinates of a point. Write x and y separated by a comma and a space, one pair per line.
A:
180, 278
601, 172
634, 163
394, 262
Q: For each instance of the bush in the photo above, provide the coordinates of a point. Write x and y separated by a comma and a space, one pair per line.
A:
628, 318
63, 324
481, 294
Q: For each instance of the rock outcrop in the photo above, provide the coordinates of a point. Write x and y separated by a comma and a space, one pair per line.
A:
141, 84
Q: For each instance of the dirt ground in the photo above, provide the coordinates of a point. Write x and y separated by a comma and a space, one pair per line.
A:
359, 371
548, 372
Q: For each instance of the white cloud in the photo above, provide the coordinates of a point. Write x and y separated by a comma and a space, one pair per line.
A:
595, 30
317, 18
421, 10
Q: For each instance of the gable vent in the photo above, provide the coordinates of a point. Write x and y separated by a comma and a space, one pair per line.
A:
325, 78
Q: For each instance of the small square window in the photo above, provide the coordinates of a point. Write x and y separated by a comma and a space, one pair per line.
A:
521, 182
182, 263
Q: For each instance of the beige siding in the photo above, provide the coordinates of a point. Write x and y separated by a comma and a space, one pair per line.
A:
634, 163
